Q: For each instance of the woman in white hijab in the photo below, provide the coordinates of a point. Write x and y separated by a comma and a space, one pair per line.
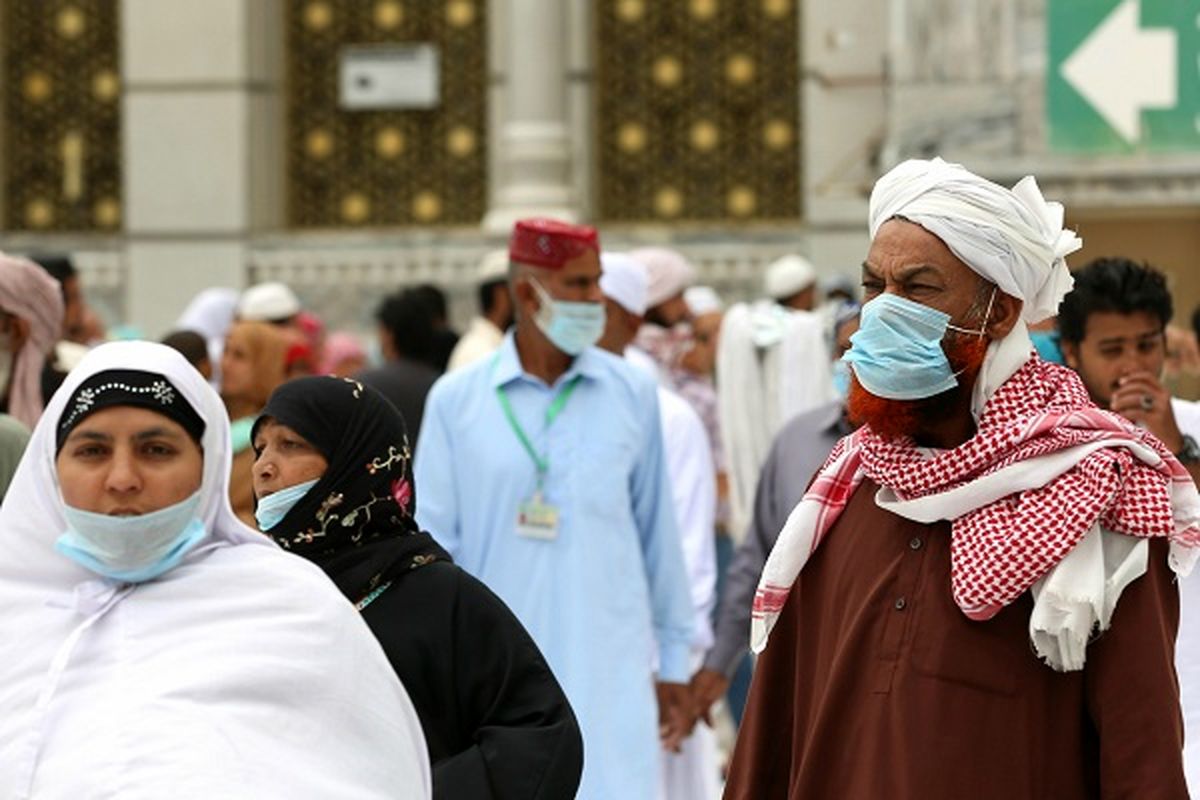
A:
175, 652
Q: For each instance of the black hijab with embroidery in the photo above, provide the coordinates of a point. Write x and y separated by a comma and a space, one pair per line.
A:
357, 522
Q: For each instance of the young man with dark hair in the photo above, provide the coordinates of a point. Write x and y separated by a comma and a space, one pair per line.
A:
1113, 333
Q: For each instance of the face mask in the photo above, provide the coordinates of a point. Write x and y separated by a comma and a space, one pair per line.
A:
274, 507
132, 549
897, 351
571, 327
841, 379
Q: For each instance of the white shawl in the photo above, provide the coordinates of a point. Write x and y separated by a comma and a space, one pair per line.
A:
240, 673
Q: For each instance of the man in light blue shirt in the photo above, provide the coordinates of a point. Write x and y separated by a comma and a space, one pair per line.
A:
541, 470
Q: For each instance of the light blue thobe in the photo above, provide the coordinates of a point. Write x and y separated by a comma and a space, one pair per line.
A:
608, 596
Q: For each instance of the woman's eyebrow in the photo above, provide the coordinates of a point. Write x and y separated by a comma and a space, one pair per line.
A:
156, 433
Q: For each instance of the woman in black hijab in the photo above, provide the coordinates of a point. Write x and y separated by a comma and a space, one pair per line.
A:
334, 484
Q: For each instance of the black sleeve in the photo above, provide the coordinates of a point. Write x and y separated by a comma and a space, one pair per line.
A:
527, 744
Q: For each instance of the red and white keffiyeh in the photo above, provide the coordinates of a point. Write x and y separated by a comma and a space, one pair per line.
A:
1045, 467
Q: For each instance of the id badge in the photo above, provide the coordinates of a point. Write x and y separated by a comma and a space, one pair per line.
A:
537, 520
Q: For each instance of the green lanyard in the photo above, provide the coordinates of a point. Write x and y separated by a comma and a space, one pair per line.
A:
556, 407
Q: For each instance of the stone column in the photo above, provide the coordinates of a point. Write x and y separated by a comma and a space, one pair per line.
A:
203, 146
532, 161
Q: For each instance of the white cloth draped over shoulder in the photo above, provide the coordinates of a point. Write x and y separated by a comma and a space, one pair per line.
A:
240, 673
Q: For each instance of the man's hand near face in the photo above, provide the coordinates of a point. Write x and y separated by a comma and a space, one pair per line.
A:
1141, 398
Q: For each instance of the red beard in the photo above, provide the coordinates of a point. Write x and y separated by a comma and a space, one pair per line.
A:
894, 419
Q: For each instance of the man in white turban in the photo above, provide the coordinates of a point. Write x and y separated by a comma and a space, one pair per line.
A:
791, 281
986, 607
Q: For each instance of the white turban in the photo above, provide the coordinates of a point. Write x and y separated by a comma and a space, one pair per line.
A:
624, 280
668, 271
1013, 238
703, 300
268, 302
787, 276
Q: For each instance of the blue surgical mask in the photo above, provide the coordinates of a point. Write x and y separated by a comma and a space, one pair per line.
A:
274, 507
897, 351
571, 327
132, 549
841, 379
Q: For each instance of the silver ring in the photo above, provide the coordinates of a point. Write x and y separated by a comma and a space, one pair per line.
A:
1147, 402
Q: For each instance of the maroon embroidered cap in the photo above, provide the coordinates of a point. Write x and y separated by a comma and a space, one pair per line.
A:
550, 243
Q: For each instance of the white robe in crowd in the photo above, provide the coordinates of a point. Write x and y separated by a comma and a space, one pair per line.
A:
241, 673
692, 774
773, 364
1187, 643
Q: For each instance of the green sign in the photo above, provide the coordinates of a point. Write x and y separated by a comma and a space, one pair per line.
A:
1124, 75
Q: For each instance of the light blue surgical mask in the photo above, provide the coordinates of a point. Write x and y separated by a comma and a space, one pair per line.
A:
841, 379
132, 549
571, 327
274, 507
897, 351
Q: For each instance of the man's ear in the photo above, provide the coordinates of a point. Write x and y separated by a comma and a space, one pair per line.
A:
525, 299
1070, 351
1006, 311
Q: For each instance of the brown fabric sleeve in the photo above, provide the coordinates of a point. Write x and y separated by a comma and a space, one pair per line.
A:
1132, 693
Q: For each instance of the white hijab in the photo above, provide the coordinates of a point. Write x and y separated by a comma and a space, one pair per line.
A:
241, 672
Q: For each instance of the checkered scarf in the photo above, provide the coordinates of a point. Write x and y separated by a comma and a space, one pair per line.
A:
1123, 478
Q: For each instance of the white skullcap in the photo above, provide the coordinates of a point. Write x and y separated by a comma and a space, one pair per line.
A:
702, 300
268, 302
787, 276
1013, 238
624, 280
669, 273
492, 267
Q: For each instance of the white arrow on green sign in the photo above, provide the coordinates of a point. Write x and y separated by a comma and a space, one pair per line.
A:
1123, 75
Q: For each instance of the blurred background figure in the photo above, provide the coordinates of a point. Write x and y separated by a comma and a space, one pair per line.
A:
210, 313
81, 326
344, 355
14, 437
253, 364
486, 331
31, 318
691, 773
75, 307
663, 335
271, 302
407, 341
194, 348
773, 363
791, 281
444, 337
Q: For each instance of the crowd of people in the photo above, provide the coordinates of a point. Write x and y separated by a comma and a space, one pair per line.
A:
951, 512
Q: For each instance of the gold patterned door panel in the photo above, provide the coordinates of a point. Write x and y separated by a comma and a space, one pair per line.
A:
698, 109
62, 115
386, 167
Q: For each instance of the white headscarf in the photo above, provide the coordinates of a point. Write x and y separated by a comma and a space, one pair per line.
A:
1014, 238
241, 672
